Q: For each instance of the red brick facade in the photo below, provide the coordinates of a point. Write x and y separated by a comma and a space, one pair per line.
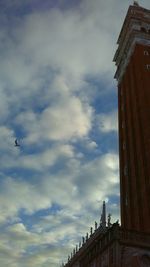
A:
133, 74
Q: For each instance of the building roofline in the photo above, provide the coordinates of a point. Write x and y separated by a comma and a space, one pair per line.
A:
134, 8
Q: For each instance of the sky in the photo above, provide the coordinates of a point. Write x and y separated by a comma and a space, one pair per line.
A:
58, 98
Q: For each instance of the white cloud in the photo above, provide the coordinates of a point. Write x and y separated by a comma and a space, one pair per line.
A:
108, 122
7, 137
75, 186
64, 119
91, 145
65, 46
46, 159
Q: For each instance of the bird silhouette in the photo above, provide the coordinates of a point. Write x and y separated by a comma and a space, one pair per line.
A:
16, 143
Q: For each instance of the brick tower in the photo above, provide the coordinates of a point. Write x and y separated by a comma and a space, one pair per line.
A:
133, 74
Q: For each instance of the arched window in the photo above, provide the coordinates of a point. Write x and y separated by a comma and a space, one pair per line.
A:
146, 53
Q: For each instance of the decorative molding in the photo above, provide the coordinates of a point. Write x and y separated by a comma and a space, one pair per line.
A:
135, 30
123, 65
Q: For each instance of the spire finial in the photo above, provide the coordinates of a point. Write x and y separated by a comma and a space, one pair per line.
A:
103, 216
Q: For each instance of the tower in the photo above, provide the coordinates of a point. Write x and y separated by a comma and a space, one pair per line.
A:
133, 74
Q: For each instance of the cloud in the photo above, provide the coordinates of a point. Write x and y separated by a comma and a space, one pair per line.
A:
16, 240
79, 197
108, 122
39, 161
62, 121
55, 39
89, 183
47, 103
6, 137
91, 145
55, 69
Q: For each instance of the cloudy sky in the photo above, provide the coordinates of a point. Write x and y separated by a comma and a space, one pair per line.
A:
59, 99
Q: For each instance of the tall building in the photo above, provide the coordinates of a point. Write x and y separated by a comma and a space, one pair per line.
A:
128, 245
133, 74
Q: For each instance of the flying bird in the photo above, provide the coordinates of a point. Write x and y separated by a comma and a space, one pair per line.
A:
16, 143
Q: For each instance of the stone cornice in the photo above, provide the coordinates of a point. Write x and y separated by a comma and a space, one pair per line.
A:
124, 57
135, 30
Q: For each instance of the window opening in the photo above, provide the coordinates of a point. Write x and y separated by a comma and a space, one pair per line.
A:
148, 66
146, 53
